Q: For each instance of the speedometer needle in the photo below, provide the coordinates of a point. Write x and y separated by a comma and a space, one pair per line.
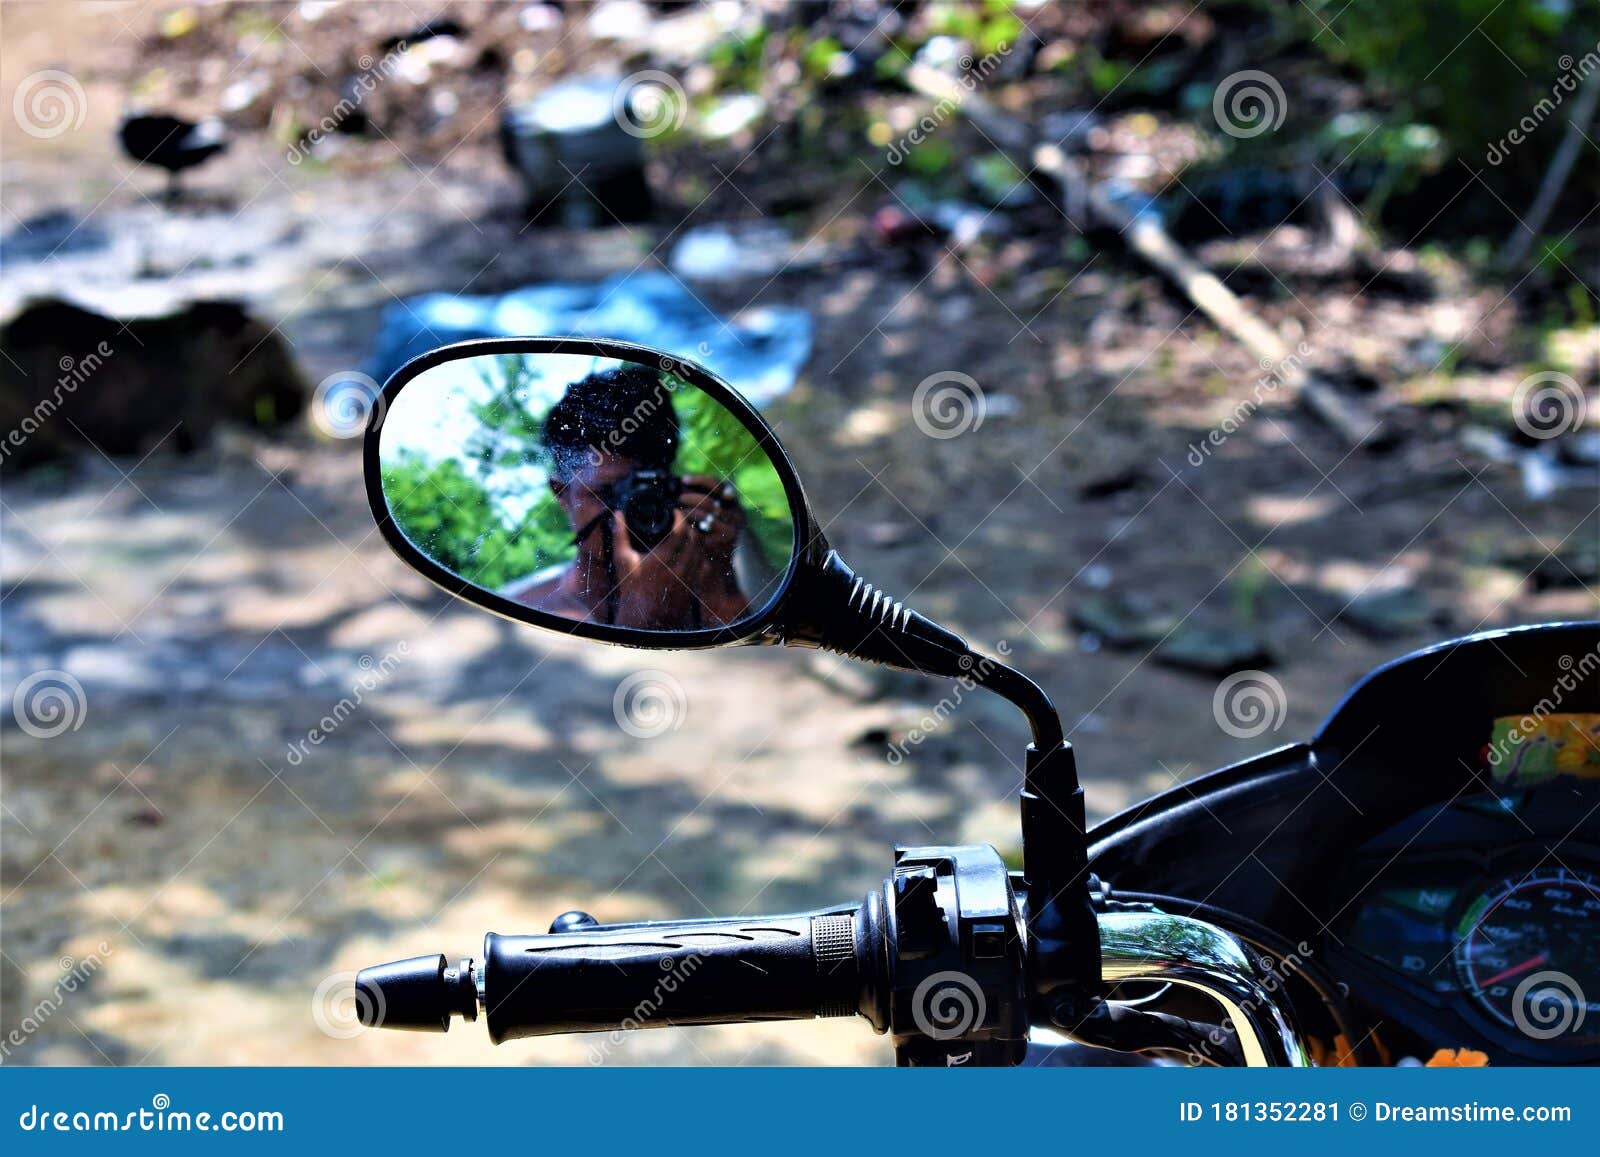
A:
1514, 969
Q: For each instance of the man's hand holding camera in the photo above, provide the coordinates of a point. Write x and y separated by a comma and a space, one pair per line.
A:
688, 572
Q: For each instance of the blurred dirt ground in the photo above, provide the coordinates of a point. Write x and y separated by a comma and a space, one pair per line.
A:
215, 607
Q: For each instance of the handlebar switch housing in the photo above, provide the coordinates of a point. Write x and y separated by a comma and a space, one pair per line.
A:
956, 990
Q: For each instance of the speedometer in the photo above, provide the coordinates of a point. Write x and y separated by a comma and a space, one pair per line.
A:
1528, 953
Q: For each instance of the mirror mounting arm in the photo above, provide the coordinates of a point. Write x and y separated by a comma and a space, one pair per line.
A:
834, 609
1064, 931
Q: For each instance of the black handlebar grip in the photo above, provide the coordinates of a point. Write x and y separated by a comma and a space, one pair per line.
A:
671, 973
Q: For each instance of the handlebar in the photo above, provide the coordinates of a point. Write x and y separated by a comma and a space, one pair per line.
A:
585, 977
672, 973
937, 958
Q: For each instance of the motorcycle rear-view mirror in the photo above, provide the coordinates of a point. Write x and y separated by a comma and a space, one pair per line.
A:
593, 488
618, 493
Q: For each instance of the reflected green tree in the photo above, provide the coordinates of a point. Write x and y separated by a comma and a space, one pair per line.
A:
455, 521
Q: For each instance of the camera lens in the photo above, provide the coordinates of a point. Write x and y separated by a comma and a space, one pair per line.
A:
649, 499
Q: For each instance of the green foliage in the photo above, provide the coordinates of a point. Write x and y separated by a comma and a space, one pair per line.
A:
454, 521
509, 432
819, 57
1106, 75
1430, 61
987, 26
738, 62
1148, 77
1401, 152
931, 158
716, 445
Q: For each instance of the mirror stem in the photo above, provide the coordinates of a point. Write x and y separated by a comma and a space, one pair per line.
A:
1029, 698
834, 609
1063, 929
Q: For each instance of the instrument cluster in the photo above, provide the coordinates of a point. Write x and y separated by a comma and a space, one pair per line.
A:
1500, 935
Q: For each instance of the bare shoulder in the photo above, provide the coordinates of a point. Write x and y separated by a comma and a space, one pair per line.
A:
542, 594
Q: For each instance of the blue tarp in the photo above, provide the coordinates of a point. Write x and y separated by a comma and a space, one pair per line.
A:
760, 354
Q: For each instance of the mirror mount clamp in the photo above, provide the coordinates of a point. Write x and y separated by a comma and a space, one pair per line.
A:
833, 609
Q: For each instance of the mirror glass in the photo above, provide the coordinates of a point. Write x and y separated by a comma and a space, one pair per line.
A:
598, 490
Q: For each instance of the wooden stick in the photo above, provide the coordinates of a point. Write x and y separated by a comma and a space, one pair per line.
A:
1088, 206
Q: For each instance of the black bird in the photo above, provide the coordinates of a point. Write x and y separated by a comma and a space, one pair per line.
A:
170, 143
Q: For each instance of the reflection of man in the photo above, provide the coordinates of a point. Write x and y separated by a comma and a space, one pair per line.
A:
655, 550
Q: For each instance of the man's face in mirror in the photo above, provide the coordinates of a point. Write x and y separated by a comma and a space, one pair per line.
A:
654, 549
582, 493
